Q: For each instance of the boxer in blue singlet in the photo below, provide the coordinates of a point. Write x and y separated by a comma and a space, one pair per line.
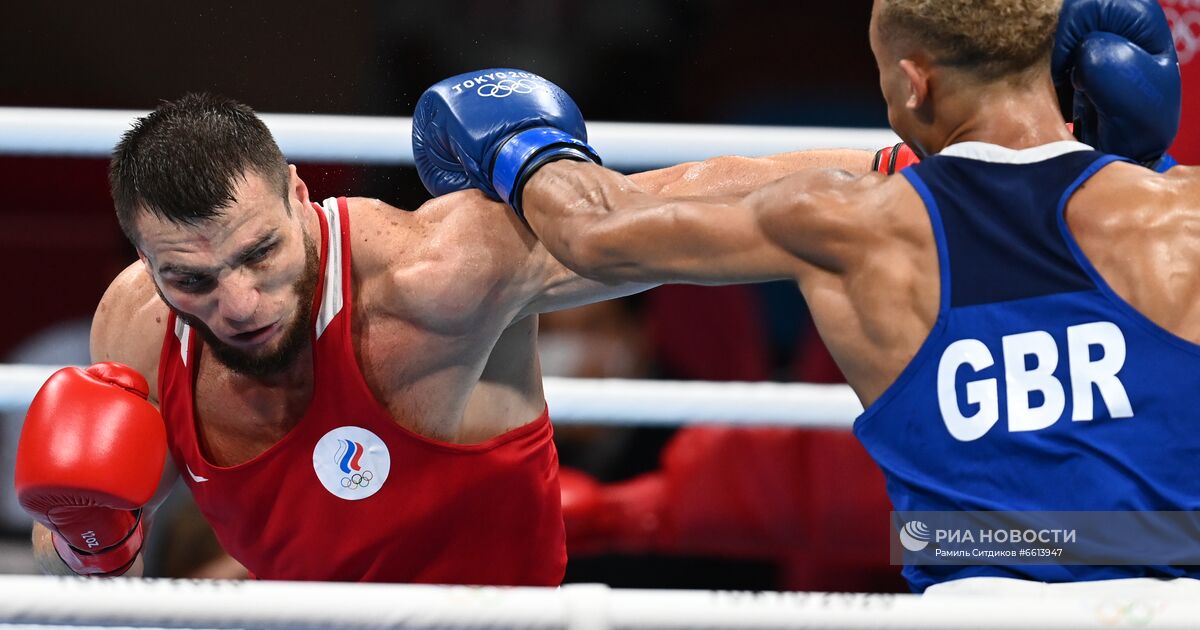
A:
1017, 312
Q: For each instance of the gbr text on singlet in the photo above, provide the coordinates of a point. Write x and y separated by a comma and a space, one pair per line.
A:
1036, 398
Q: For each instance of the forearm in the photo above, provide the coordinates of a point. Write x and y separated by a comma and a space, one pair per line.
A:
50, 563
604, 226
567, 204
724, 176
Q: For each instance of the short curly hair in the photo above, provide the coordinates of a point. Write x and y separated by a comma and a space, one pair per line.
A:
989, 39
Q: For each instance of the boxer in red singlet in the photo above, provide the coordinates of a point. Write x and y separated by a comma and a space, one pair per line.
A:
350, 391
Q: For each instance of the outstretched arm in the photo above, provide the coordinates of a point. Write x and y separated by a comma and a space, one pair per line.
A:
703, 229
727, 177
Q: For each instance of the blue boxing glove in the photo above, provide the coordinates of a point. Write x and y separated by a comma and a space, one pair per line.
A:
492, 129
1119, 58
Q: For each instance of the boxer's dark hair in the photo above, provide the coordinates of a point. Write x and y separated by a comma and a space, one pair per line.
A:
183, 161
988, 39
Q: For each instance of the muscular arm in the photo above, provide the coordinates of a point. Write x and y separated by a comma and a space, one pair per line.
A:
128, 328
731, 225
859, 247
730, 176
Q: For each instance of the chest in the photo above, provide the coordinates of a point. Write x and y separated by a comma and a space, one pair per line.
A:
419, 379
236, 421
423, 362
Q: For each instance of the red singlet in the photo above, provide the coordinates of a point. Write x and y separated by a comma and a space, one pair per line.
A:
349, 494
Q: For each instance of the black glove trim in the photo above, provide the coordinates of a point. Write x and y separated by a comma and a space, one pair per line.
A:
551, 153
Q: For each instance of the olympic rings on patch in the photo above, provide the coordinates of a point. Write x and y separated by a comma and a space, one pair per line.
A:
358, 480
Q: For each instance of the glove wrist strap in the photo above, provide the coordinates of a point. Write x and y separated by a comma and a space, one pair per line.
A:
527, 150
110, 562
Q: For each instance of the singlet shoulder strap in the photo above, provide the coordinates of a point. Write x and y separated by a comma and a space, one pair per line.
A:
332, 293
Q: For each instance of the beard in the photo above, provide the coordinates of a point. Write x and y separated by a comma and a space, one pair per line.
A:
293, 340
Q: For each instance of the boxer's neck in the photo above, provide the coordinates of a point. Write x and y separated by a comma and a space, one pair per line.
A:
1013, 116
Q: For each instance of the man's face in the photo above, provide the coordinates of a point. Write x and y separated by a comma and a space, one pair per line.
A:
243, 279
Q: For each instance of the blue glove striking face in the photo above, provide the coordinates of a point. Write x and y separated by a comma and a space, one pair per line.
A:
1119, 57
492, 129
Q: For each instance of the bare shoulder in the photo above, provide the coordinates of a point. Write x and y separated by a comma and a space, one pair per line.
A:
130, 323
450, 221
1124, 200
444, 260
1181, 187
1139, 230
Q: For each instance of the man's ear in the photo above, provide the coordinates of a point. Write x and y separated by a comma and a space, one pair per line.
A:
297, 188
918, 84
920, 76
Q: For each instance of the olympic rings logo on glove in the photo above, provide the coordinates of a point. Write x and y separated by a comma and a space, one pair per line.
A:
358, 480
1185, 28
505, 88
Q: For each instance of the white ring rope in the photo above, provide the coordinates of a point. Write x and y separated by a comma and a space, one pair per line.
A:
617, 401
385, 140
204, 604
18, 384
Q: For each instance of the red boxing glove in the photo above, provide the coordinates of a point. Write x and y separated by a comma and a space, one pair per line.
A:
90, 457
622, 517
720, 492
892, 160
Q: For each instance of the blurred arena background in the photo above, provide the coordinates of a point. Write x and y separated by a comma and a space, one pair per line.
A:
813, 508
